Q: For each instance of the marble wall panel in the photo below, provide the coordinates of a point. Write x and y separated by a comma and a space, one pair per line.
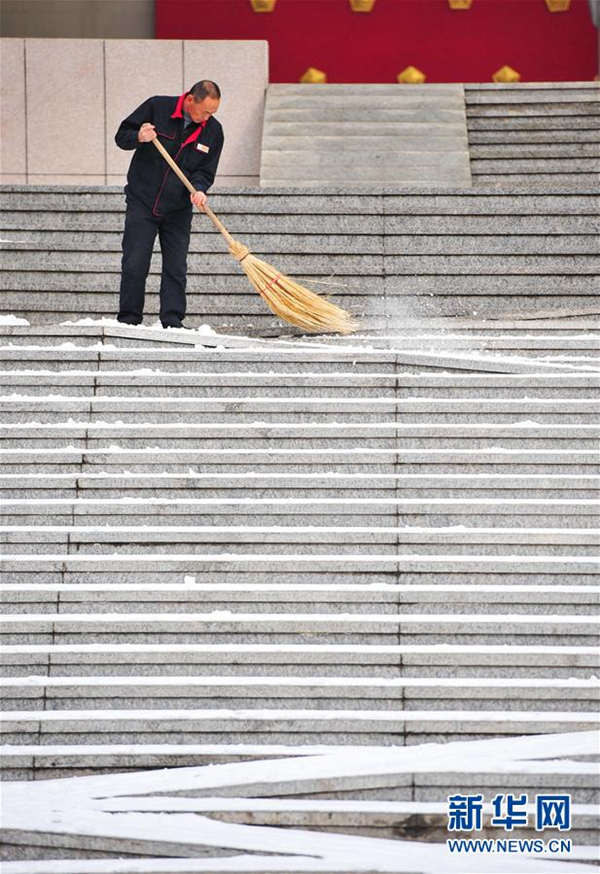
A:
63, 99
65, 107
13, 148
241, 70
136, 70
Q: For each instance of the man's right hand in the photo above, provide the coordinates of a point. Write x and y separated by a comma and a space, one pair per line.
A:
146, 133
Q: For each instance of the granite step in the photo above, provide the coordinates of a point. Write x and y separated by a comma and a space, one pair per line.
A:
345, 262
511, 166
507, 660
344, 94
334, 411
576, 570
477, 343
358, 461
392, 137
534, 324
532, 114
169, 356
51, 287
589, 134
330, 201
399, 238
161, 384
295, 487
524, 328
498, 512
332, 727
586, 106
298, 539
243, 314
194, 360
537, 150
531, 92
298, 628
101, 435
310, 693
330, 597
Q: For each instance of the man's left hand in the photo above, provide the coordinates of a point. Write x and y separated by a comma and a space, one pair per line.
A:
199, 199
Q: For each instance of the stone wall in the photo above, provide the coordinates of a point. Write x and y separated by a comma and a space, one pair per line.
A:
62, 101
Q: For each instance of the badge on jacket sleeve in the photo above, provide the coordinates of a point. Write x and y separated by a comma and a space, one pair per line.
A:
202, 148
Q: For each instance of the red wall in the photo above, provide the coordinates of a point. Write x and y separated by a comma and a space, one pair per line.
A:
448, 46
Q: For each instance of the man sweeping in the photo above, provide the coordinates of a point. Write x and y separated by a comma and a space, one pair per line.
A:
157, 201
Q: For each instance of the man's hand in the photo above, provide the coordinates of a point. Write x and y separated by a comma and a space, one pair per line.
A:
146, 133
199, 199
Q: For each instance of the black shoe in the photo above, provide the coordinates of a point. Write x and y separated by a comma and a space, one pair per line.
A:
173, 323
128, 320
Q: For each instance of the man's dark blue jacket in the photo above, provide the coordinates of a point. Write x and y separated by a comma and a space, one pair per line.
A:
197, 152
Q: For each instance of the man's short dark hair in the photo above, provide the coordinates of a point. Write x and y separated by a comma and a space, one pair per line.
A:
205, 88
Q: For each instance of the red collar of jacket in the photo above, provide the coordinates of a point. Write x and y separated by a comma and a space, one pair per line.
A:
179, 114
179, 108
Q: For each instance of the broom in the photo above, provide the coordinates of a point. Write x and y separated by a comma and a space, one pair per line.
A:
286, 298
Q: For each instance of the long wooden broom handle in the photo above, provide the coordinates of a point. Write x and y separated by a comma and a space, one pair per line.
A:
206, 208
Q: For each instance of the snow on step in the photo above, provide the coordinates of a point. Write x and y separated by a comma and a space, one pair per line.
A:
274, 786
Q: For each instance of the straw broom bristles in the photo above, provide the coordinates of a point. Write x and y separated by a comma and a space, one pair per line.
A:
289, 300
286, 298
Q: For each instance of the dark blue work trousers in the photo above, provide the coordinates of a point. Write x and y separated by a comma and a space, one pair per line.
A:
141, 228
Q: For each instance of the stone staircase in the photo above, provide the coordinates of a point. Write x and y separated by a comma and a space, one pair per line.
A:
394, 258
365, 135
539, 133
232, 552
352, 576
